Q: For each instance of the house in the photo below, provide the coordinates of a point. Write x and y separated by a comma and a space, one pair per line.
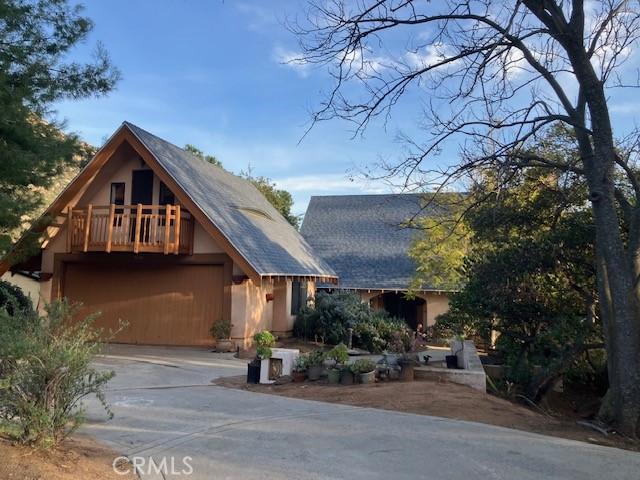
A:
363, 239
152, 235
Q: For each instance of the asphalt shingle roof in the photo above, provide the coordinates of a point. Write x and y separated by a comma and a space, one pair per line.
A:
362, 238
241, 213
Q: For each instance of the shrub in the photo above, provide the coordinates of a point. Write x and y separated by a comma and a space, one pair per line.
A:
46, 373
221, 330
334, 313
315, 358
362, 366
13, 299
301, 364
339, 354
264, 341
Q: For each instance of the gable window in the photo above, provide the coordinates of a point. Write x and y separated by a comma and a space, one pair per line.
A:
298, 296
117, 195
165, 196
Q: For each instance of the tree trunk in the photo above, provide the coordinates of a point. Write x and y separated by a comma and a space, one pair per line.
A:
619, 292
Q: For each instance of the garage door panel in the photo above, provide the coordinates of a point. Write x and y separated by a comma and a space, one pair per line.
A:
164, 305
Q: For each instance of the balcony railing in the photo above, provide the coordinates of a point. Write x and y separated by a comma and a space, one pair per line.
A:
130, 228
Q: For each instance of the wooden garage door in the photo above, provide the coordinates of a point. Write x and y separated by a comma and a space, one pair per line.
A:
163, 305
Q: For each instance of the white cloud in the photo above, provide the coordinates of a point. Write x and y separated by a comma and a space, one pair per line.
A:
293, 60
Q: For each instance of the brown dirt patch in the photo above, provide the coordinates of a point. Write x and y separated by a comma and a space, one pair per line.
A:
446, 400
78, 458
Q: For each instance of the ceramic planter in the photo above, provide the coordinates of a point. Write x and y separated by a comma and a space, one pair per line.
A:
314, 372
369, 377
334, 375
224, 345
346, 377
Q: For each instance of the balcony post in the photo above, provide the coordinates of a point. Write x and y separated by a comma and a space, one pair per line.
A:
136, 242
176, 245
167, 228
87, 227
69, 228
112, 214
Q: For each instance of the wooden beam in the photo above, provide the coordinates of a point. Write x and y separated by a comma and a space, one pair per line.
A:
167, 228
87, 227
69, 228
136, 241
112, 214
176, 246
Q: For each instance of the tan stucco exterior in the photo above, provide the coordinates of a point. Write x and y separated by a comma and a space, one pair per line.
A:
255, 306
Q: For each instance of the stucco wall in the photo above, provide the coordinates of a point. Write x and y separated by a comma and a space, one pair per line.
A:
29, 286
250, 311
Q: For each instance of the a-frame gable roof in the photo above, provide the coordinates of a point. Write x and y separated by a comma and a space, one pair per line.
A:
238, 210
230, 208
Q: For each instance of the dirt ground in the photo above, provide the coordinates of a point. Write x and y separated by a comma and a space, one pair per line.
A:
438, 399
78, 458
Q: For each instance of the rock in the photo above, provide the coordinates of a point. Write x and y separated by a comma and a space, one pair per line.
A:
283, 380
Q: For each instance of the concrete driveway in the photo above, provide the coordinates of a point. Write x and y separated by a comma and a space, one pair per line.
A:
166, 410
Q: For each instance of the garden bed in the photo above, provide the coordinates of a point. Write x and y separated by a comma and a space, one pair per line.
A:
438, 399
77, 458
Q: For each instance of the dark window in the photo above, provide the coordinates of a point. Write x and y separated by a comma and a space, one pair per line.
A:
117, 195
298, 296
165, 196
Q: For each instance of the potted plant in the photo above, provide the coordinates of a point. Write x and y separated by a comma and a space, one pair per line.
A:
340, 356
221, 333
365, 370
346, 375
264, 341
299, 372
315, 364
402, 344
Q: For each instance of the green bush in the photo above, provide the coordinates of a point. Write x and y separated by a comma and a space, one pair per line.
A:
46, 372
315, 358
339, 354
13, 299
264, 341
334, 313
362, 366
221, 330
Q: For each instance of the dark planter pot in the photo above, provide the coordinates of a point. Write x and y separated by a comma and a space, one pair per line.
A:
406, 372
346, 377
314, 372
253, 373
298, 377
452, 361
333, 375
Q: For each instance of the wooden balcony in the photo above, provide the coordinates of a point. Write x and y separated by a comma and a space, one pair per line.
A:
130, 228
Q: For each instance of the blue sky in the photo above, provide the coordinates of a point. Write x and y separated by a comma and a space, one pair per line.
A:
210, 73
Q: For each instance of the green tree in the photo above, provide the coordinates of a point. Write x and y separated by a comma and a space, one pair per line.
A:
280, 199
35, 38
528, 269
196, 151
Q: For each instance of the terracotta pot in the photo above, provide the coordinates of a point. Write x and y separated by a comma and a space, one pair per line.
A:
314, 372
224, 345
369, 377
406, 372
334, 375
298, 377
